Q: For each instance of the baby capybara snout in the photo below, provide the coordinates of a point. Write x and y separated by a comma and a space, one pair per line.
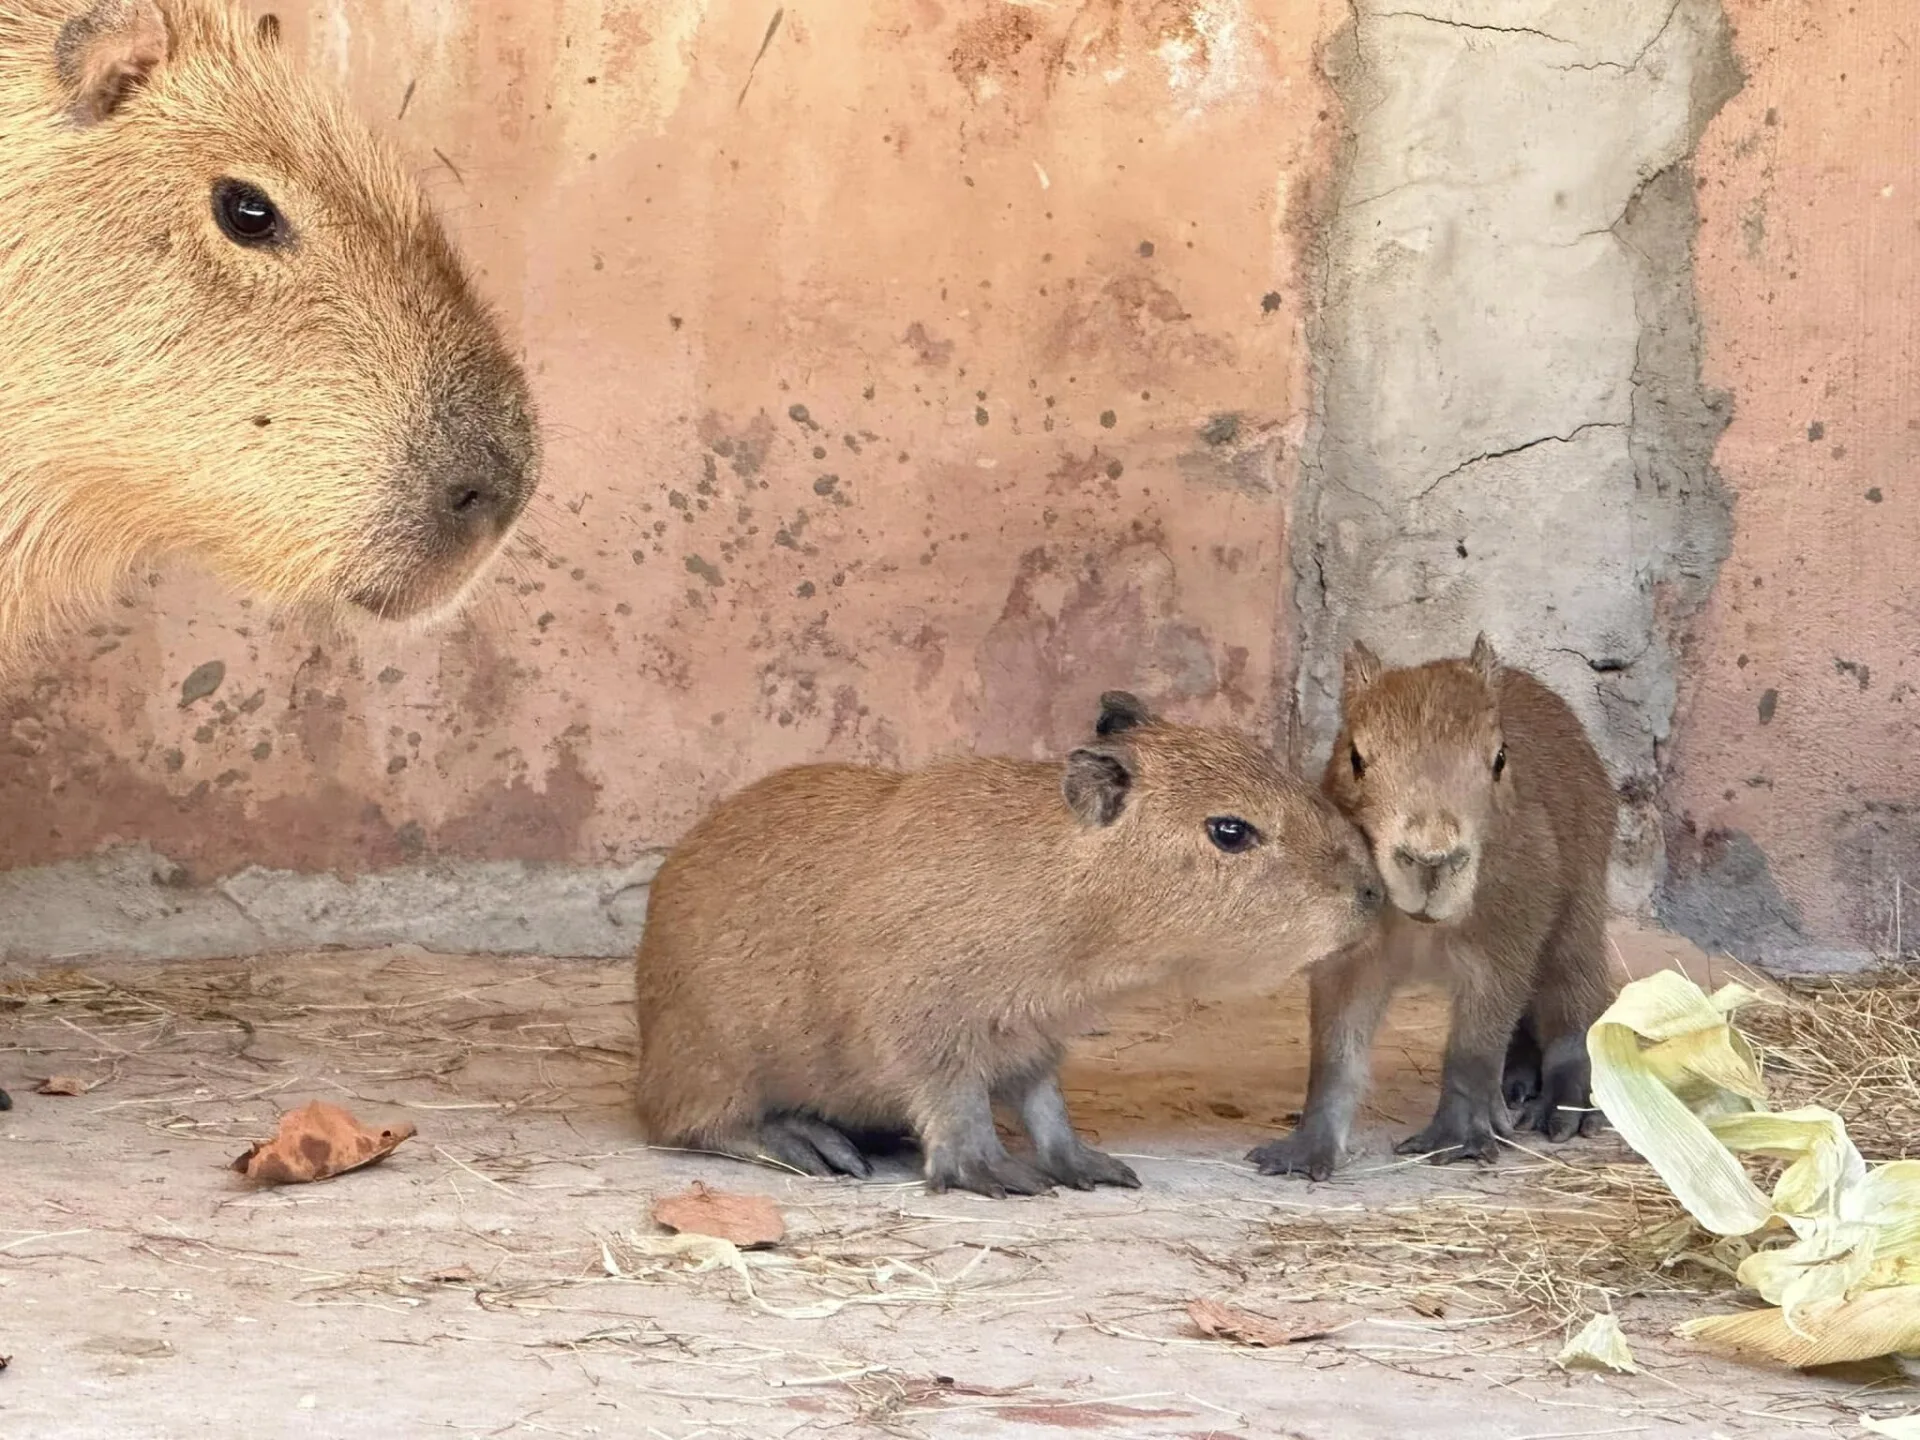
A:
260, 347
841, 950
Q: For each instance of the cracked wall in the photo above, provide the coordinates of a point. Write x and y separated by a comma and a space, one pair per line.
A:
914, 372
1795, 833
1511, 431
917, 370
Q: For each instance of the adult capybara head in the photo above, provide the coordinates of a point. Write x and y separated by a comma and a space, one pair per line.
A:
230, 327
1421, 766
1216, 849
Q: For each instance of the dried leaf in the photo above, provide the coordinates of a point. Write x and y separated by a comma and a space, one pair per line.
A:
64, 1085
1225, 1322
316, 1142
1598, 1346
451, 1275
745, 1220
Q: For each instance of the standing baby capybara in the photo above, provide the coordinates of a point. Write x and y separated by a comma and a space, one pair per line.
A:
1491, 817
230, 329
838, 950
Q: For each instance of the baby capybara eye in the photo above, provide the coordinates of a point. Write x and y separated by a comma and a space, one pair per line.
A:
1353, 758
1232, 834
245, 215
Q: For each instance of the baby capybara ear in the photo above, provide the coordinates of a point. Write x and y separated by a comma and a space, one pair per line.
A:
267, 31
1096, 784
1361, 669
108, 53
1120, 711
1483, 659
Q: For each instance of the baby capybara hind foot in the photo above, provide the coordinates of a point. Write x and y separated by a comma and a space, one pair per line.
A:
795, 1142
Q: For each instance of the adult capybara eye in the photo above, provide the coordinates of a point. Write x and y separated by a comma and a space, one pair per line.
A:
1353, 758
1499, 761
1232, 834
245, 215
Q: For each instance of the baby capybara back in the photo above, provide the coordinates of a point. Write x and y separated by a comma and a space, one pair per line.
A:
838, 949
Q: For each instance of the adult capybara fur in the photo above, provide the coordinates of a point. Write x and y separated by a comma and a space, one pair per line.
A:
838, 951
230, 328
1491, 818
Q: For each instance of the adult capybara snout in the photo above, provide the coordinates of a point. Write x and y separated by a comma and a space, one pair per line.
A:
469, 466
260, 347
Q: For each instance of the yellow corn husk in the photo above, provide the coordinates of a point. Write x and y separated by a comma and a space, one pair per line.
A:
1685, 1090
1598, 1346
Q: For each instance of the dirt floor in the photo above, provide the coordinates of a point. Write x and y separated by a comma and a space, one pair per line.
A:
499, 1274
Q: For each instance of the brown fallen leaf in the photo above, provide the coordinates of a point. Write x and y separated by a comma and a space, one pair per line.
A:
1224, 1322
64, 1085
746, 1220
316, 1142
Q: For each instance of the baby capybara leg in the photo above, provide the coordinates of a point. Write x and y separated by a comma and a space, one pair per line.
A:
1489, 999
1574, 990
1521, 1081
962, 1150
1062, 1154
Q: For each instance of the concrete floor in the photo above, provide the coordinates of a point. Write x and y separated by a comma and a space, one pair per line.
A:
492, 1278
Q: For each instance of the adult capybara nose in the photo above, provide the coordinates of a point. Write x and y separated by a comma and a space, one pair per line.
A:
479, 467
487, 492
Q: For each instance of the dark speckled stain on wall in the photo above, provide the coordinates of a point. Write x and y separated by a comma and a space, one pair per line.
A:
64, 796
1721, 894
1042, 667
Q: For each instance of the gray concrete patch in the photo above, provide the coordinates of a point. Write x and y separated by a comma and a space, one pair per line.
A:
1510, 431
132, 902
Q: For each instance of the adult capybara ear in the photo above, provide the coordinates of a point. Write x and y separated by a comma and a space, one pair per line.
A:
1358, 674
1096, 784
1120, 711
267, 30
1483, 659
109, 52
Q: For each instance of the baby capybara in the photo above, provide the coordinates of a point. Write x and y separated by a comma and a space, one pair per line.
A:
839, 950
1491, 817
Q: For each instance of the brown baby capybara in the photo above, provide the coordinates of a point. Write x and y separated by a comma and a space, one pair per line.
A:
230, 329
839, 951
1491, 818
